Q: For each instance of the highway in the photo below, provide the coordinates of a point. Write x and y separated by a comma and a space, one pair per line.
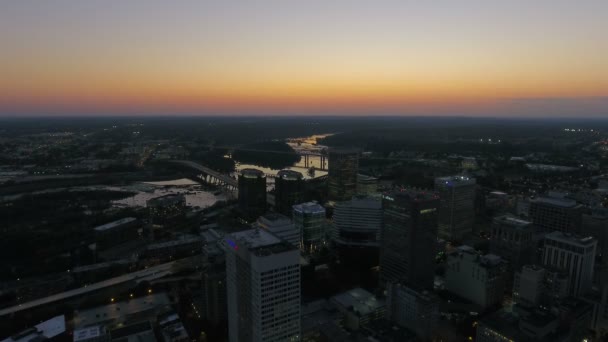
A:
148, 274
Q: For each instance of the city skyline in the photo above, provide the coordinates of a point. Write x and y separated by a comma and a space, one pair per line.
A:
473, 58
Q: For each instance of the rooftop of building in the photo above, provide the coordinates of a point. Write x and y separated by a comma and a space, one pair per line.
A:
361, 202
88, 332
582, 241
162, 200
416, 291
512, 221
561, 202
252, 173
210, 235
143, 331
455, 180
44, 330
359, 301
289, 175
521, 324
274, 219
487, 260
533, 267
366, 178
115, 224
259, 240
410, 194
309, 208
184, 240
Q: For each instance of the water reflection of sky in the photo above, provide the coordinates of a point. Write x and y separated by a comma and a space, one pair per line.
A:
194, 193
302, 144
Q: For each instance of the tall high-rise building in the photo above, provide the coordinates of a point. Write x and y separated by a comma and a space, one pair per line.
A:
357, 222
342, 174
409, 238
288, 190
356, 232
457, 208
478, 278
309, 219
573, 254
263, 287
512, 239
281, 226
213, 278
252, 193
554, 212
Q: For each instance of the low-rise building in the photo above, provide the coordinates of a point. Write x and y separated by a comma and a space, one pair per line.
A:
478, 278
116, 232
414, 309
359, 307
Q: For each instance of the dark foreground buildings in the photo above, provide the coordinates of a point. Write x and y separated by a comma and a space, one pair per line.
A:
252, 194
409, 238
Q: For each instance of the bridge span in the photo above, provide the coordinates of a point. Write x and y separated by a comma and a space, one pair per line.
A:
209, 175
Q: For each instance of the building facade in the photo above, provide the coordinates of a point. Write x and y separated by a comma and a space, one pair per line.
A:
457, 206
553, 213
478, 278
574, 255
367, 185
309, 219
513, 240
252, 194
342, 174
358, 222
414, 309
288, 191
535, 285
263, 287
409, 238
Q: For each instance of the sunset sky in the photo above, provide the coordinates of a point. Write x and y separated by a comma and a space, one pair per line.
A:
316, 57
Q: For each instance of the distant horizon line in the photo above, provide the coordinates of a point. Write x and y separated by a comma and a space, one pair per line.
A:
299, 116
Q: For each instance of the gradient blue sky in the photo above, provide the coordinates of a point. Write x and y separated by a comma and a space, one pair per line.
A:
490, 58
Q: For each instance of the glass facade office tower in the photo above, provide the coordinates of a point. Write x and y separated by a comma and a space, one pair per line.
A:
252, 194
309, 219
457, 206
409, 238
288, 190
342, 174
263, 287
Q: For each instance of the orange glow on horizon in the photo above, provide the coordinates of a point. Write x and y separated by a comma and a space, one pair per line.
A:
295, 57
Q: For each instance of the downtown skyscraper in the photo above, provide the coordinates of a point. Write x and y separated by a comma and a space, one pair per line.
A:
409, 238
457, 206
342, 174
263, 287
